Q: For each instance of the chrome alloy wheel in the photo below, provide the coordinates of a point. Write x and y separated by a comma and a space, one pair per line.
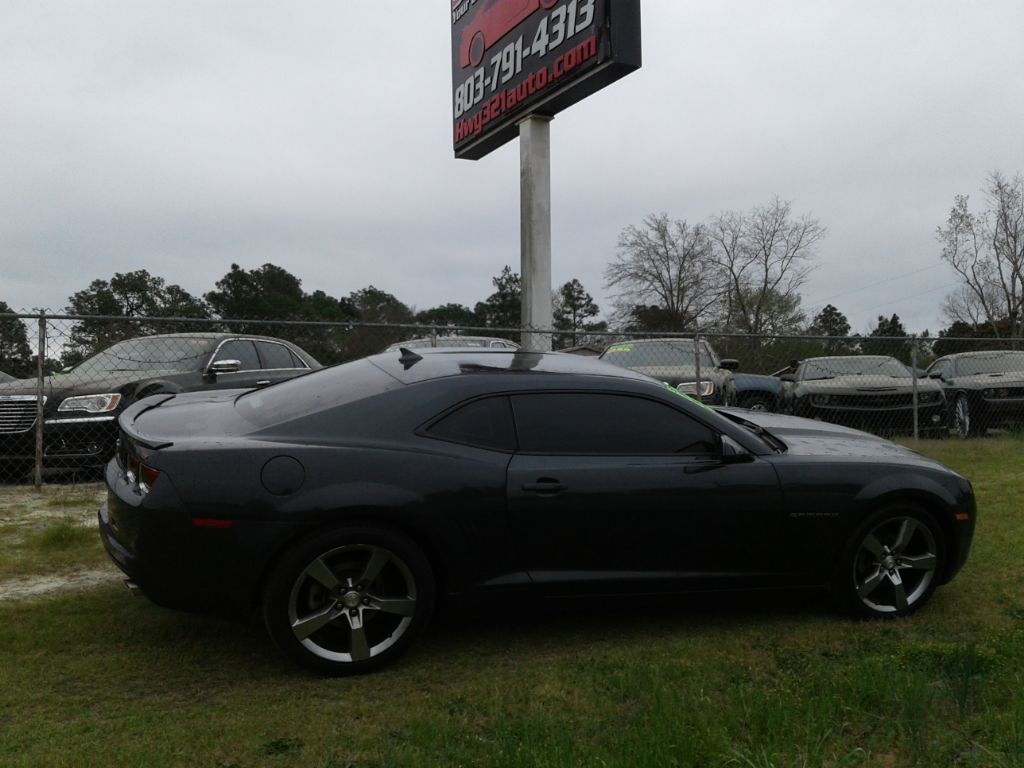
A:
962, 417
352, 603
895, 565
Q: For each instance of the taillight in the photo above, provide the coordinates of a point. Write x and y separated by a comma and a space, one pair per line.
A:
138, 474
132, 469
147, 477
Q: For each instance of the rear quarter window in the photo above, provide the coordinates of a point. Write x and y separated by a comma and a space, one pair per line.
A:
314, 393
485, 423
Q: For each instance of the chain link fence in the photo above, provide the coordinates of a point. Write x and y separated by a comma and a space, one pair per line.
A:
65, 379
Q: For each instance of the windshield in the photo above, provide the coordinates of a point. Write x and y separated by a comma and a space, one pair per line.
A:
996, 362
665, 354
830, 367
158, 353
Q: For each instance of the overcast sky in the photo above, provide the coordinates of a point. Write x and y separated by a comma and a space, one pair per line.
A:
182, 136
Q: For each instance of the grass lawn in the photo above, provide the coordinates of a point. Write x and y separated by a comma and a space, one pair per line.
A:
95, 678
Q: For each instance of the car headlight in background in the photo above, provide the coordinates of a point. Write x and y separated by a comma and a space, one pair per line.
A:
91, 403
929, 397
707, 388
988, 394
821, 399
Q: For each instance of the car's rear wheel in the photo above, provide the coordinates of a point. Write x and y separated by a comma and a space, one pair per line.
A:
349, 599
892, 565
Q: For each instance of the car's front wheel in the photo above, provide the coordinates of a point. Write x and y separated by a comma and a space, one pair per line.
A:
891, 565
349, 599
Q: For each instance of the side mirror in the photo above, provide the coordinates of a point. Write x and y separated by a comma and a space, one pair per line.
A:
936, 375
788, 377
225, 366
729, 364
729, 452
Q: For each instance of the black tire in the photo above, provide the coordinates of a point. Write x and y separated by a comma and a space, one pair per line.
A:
757, 401
349, 599
891, 565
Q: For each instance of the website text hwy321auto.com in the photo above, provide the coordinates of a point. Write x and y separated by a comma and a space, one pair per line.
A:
560, 27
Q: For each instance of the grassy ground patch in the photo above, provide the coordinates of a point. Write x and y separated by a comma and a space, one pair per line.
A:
98, 678
51, 531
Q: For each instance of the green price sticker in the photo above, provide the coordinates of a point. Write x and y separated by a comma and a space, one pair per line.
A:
685, 396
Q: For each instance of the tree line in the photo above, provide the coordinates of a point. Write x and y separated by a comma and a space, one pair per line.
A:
355, 324
738, 273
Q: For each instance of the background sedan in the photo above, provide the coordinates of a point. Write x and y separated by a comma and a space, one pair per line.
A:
80, 406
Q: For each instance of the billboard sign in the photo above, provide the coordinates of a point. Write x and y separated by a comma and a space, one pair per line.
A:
513, 58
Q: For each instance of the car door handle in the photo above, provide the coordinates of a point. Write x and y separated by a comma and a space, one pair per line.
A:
545, 487
264, 383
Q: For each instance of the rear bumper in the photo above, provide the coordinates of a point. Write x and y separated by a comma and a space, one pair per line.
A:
178, 564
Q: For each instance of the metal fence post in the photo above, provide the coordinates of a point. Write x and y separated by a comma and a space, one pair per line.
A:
696, 357
40, 358
913, 380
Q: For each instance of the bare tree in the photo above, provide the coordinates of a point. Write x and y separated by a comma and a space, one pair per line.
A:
987, 252
765, 256
664, 264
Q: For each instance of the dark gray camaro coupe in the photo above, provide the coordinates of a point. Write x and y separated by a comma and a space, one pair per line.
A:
346, 503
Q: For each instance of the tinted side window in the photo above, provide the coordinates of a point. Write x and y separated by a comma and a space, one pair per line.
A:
274, 355
241, 350
483, 423
580, 423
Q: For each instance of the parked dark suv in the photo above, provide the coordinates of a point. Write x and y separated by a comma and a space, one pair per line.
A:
674, 361
81, 406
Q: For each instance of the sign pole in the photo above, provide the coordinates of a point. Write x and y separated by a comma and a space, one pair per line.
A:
535, 231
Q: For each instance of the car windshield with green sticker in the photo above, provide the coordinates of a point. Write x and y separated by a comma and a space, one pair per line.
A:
659, 353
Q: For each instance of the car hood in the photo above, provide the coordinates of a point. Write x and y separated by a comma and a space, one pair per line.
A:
808, 437
758, 380
992, 380
80, 383
866, 385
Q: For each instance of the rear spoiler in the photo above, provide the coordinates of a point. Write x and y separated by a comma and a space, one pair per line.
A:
149, 404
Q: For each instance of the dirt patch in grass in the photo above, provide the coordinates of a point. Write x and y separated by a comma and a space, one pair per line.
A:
32, 587
49, 531
31, 507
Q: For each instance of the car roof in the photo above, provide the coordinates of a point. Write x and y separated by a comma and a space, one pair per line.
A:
847, 357
438, 362
667, 340
983, 353
208, 335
